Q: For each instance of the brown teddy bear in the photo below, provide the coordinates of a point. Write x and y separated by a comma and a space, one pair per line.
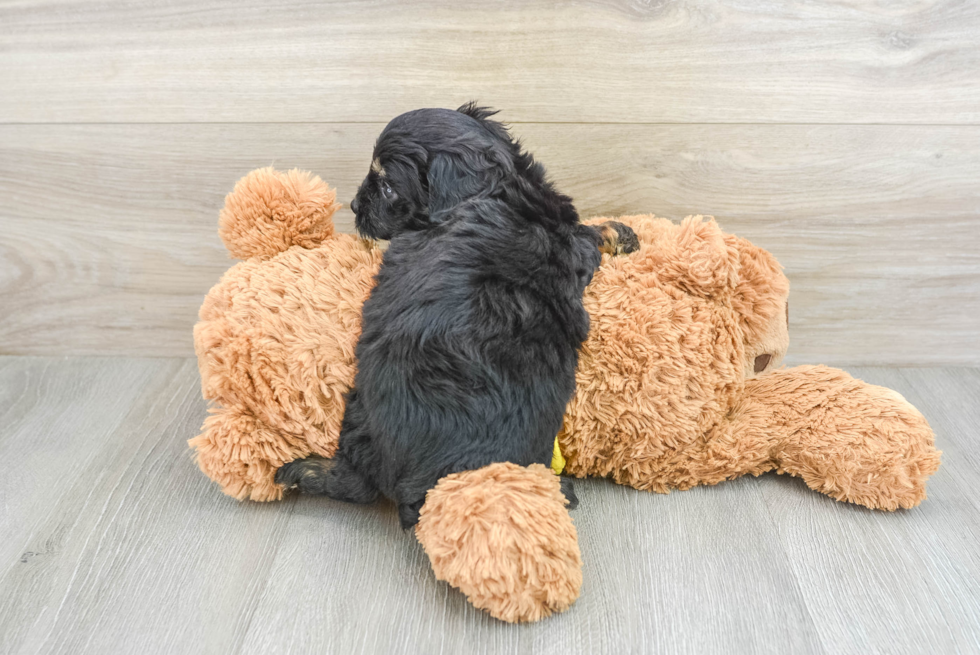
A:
677, 385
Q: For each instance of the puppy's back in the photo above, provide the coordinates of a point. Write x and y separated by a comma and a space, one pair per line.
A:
469, 346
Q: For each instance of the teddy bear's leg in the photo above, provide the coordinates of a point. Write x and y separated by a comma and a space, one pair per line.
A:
848, 439
503, 536
241, 453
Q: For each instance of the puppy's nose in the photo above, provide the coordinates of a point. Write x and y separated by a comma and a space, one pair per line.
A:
353, 205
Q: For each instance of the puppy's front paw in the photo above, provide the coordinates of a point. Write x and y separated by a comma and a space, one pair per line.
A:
618, 239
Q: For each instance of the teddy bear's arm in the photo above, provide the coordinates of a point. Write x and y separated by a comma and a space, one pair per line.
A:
851, 440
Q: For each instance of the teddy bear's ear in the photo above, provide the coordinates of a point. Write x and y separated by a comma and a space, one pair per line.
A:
696, 257
269, 211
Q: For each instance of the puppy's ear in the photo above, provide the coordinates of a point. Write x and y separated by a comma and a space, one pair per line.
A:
453, 178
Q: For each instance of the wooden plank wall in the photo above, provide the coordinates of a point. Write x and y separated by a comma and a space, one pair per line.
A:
843, 136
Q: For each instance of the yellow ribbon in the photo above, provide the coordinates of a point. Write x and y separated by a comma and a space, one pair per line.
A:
557, 461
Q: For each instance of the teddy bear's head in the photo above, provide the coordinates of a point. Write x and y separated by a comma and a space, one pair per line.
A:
676, 330
760, 298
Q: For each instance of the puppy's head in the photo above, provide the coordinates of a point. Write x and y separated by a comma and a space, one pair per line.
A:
426, 162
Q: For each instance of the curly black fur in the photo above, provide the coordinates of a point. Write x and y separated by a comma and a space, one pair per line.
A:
470, 338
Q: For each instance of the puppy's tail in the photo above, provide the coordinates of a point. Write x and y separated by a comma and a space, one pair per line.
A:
270, 211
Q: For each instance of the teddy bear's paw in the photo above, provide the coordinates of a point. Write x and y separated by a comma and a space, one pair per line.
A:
270, 211
503, 536
241, 453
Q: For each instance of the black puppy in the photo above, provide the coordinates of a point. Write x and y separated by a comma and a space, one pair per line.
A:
470, 339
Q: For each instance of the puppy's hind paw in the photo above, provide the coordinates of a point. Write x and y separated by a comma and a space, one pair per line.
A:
334, 478
568, 490
617, 238
300, 473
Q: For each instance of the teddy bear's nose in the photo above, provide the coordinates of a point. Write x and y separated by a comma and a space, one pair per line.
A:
353, 205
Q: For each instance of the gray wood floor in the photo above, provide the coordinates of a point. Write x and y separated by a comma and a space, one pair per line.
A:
113, 542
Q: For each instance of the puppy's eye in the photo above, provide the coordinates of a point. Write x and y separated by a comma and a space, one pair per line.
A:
387, 190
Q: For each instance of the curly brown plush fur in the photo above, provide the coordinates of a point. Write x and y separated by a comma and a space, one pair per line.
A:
677, 385
670, 394
502, 536
276, 336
